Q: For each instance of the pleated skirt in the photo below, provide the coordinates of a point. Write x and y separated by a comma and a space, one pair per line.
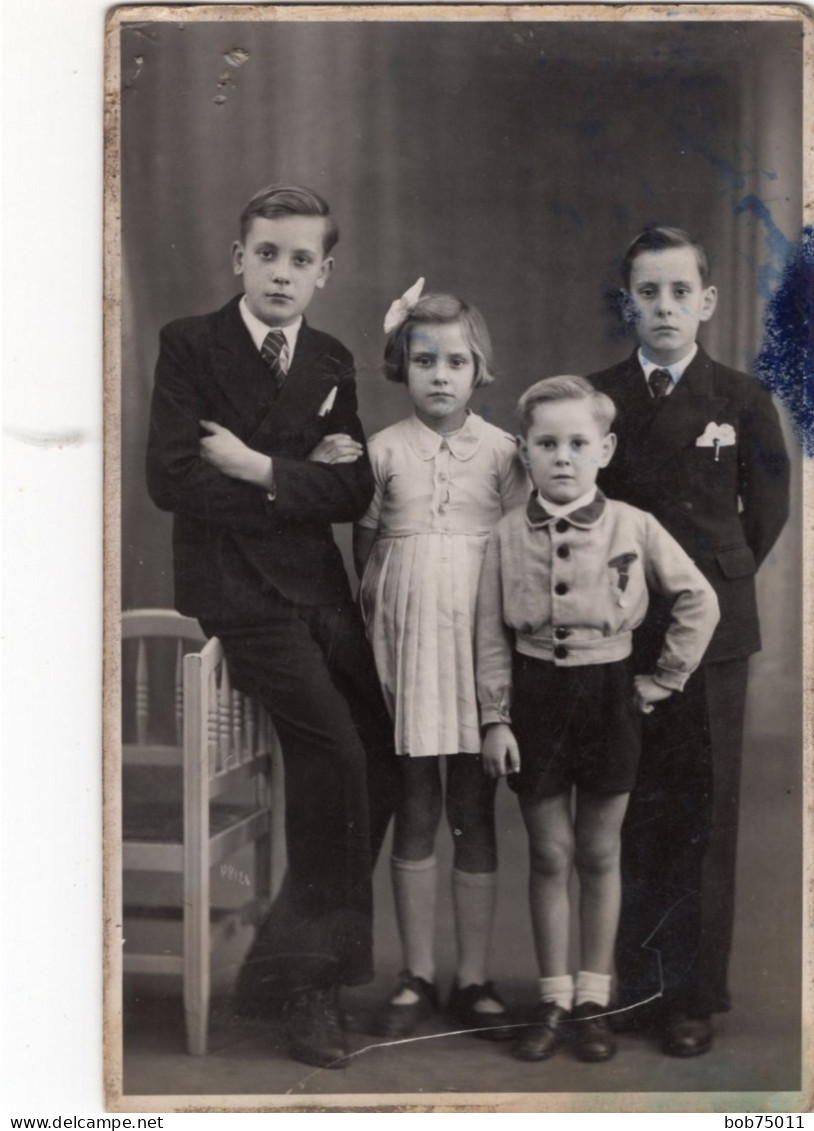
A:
418, 597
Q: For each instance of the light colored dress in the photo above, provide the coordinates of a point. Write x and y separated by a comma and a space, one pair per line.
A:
436, 502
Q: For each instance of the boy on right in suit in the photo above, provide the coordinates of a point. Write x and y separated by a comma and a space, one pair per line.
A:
699, 447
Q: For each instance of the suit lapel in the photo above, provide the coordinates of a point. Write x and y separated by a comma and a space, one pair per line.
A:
237, 367
244, 381
307, 384
679, 419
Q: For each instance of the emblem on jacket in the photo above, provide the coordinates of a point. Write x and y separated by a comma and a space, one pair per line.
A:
716, 436
621, 563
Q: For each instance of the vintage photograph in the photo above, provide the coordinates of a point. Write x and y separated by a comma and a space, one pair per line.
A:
455, 367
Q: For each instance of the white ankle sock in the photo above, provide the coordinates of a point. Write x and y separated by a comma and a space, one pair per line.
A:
592, 987
559, 989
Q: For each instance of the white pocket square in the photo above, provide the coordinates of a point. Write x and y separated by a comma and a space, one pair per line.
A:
716, 435
328, 403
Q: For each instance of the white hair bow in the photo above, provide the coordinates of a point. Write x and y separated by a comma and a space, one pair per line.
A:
400, 309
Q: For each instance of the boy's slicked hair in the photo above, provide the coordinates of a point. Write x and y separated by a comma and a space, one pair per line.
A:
565, 388
274, 201
659, 238
440, 310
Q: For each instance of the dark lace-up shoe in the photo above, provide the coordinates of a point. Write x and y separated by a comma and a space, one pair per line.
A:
592, 1039
544, 1035
314, 1028
395, 1020
683, 1035
462, 1008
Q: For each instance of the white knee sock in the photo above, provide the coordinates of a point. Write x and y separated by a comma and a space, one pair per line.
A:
559, 989
414, 887
592, 987
473, 898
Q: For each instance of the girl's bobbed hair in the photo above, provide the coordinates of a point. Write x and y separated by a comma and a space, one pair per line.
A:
440, 310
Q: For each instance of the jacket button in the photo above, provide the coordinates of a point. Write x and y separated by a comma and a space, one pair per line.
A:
686, 506
560, 652
560, 588
561, 526
560, 632
563, 551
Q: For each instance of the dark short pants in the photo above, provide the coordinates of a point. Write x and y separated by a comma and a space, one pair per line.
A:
574, 726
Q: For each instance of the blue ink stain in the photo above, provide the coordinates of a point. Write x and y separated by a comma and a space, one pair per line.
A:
724, 169
622, 314
780, 248
786, 360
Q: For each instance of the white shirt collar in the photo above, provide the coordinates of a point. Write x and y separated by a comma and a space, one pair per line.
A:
258, 329
676, 370
561, 510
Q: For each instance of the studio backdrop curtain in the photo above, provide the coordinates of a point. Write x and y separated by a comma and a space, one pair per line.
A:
509, 163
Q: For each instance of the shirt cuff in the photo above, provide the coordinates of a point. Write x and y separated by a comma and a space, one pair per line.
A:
670, 679
495, 712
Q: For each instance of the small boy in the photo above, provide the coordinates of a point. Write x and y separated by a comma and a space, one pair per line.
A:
256, 448
564, 584
700, 447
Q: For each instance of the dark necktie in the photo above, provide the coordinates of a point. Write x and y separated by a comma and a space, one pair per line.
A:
270, 351
660, 382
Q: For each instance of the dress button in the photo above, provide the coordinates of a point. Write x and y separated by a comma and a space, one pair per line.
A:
563, 551
560, 652
561, 632
560, 588
561, 526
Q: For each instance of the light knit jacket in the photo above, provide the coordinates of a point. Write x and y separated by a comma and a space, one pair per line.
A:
571, 590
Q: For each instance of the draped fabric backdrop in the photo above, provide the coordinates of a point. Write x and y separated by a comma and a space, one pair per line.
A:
509, 163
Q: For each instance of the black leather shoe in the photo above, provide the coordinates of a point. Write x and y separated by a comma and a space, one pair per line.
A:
394, 1020
686, 1036
544, 1035
593, 1040
461, 1007
314, 1029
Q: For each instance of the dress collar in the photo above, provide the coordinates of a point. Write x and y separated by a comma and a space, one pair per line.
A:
587, 516
462, 444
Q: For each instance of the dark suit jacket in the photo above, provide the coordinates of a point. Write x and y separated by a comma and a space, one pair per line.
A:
727, 511
232, 545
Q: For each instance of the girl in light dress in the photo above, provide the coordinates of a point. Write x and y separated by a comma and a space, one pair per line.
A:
443, 479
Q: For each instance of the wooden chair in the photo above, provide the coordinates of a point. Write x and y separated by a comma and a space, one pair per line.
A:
208, 786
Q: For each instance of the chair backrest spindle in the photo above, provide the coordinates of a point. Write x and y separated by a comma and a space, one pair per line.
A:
142, 693
179, 692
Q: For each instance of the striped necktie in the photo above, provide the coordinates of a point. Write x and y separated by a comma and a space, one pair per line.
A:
271, 351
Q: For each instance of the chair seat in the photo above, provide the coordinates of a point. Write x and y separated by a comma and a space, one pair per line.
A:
162, 822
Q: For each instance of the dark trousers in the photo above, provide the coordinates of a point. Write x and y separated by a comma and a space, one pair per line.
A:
679, 845
312, 669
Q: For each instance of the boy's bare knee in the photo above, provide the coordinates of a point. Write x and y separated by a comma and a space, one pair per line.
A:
553, 859
598, 860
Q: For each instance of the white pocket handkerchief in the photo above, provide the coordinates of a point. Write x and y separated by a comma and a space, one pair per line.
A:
328, 403
716, 435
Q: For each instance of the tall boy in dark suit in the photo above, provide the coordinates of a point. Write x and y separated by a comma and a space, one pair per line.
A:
700, 447
256, 448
